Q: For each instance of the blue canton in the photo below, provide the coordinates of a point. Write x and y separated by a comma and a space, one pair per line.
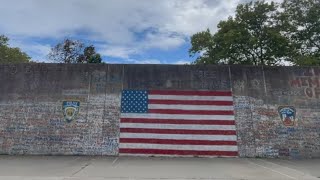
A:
134, 101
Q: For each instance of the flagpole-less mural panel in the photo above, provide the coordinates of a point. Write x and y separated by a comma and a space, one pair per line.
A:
177, 123
160, 110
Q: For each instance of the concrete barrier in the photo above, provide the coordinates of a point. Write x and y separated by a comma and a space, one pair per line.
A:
64, 109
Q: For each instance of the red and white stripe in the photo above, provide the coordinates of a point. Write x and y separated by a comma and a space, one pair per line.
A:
181, 123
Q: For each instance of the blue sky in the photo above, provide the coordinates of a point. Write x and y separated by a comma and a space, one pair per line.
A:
123, 31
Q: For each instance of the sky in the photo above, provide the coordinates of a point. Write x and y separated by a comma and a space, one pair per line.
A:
123, 31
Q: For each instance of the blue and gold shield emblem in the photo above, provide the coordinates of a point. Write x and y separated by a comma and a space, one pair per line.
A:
70, 110
287, 115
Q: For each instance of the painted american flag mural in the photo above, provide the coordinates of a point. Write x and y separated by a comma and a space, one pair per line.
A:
178, 123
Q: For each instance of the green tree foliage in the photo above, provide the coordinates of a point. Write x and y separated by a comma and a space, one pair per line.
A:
3, 40
203, 43
90, 55
301, 24
263, 33
10, 54
74, 51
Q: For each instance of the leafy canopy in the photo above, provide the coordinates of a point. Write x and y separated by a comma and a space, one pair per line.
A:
11, 54
263, 33
74, 51
301, 24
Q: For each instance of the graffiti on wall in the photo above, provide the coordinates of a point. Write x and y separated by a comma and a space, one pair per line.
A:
309, 81
70, 110
287, 115
209, 79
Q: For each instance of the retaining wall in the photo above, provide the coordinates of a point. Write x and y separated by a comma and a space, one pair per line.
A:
33, 120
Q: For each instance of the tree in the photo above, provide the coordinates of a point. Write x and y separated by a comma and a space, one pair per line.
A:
253, 36
90, 55
3, 40
67, 51
74, 51
203, 43
301, 24
10, 54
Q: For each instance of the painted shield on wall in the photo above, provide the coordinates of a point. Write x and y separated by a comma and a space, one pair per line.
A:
287, 115
70, 110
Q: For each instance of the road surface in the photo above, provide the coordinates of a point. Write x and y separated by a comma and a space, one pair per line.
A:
134, 168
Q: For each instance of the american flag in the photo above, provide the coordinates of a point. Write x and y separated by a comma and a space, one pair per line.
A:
177, 123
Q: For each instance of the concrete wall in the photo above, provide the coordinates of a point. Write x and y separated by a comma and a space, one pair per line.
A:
32, 95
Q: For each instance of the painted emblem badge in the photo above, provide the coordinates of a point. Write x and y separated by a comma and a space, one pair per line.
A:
70, 109
287, 115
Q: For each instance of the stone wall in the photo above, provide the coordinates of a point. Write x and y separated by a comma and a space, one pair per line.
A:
32, 96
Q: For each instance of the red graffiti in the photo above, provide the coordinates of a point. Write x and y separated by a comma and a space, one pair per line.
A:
311, 86
305, 82
267, 112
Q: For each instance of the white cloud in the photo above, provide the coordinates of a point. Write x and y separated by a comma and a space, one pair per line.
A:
148, 61
113, 20
126, 27
182, 62
144, 61
163, 41
117, 51
194, 16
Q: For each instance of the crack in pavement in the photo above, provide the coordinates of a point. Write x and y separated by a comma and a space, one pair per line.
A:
82, 168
